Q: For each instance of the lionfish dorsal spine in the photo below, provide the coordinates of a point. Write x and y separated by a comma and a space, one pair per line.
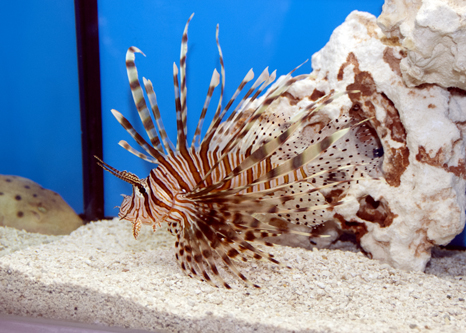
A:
245, 129
137, 137
216, 119
183, 88
180, 134
139, 99
216, 122
169, 147
244, 103
126, 145
249, 76
269, 98
214, 81
242, 130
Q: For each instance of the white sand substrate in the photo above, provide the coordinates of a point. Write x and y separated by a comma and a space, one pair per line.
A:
100, 274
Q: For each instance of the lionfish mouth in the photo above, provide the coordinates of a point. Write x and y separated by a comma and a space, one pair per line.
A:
253, 179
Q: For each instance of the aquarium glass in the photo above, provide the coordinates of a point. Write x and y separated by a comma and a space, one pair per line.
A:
40, 118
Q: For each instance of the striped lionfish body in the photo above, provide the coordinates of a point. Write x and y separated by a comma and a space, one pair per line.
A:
250, 179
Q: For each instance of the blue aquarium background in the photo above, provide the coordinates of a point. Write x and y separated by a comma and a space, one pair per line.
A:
41, 132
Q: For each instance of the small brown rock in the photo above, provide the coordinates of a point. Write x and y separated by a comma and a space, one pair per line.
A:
26, 205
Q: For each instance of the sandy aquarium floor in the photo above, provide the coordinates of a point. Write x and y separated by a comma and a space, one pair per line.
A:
99, 274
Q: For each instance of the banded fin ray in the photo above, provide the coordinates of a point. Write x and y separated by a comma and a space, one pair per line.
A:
216, 119
280, 89
249, 76
180, 134
139, 99
269, 148
183, 89
169, 147
136, 136
244, 103
214, 81
133, 151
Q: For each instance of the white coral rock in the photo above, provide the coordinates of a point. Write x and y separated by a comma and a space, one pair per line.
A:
420, 200
433, 32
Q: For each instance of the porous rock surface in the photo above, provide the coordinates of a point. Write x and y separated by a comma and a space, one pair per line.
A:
419, 201
433, 34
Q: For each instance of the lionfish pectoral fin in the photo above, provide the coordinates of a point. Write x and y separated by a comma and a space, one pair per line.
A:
198, 266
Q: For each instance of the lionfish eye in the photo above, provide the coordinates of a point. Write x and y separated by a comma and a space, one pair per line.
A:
378, 152
141, 189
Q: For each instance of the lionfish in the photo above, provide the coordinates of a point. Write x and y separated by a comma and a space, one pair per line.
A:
251, 179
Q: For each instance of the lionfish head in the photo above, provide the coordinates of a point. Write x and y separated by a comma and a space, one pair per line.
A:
135, 207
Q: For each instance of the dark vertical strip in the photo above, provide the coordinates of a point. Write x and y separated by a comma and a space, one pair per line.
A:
87, 38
